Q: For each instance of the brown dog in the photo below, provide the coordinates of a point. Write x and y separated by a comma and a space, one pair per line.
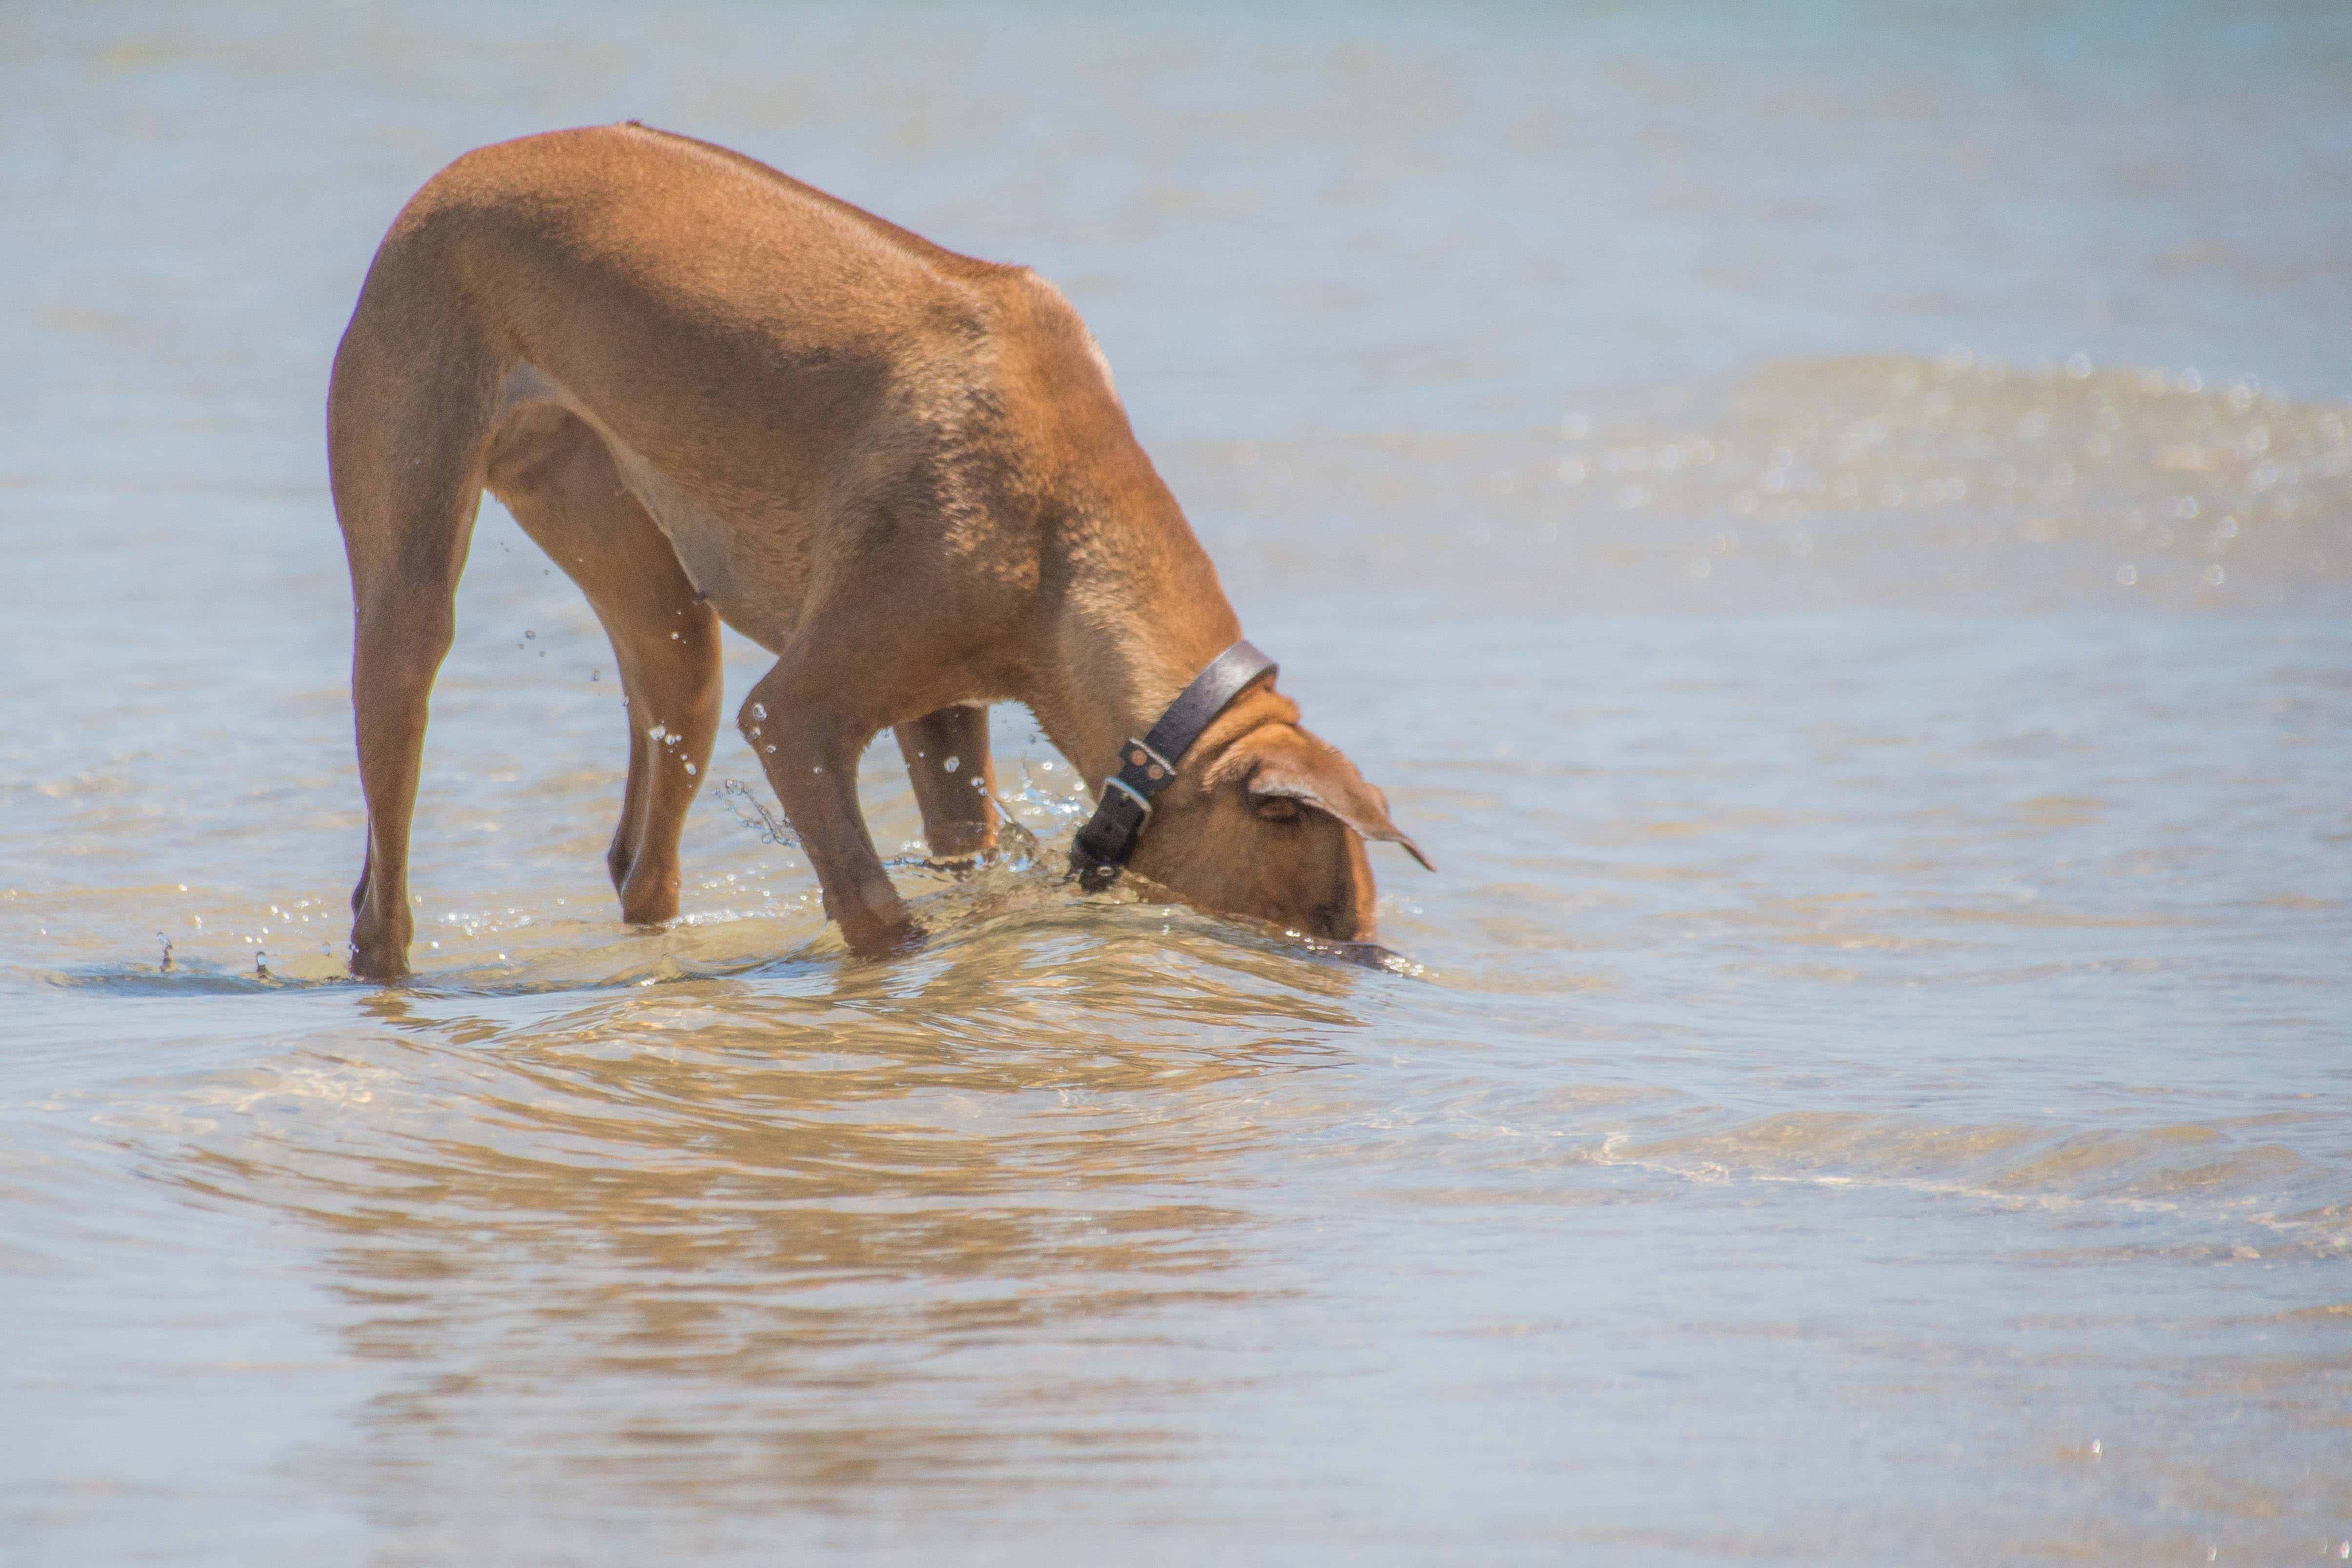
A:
710, 392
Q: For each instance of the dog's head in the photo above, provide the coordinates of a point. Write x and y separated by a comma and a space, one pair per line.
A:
1273, 827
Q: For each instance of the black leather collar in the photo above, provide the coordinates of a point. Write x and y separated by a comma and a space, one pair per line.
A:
1147, 767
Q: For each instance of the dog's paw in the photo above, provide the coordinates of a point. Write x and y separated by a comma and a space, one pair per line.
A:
885, 941
386, 967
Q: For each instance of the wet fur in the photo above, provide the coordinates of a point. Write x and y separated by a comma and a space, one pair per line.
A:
714, 395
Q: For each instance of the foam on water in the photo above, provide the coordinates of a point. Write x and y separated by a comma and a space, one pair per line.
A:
1946, 483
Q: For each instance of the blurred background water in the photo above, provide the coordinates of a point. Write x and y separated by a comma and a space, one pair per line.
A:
1830, 522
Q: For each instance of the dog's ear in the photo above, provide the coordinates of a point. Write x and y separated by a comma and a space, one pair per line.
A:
1283, 767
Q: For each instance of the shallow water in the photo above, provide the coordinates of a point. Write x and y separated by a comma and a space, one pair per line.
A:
1832, 531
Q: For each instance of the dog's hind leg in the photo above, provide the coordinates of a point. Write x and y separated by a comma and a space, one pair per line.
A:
407, 415
955, 780
556, 475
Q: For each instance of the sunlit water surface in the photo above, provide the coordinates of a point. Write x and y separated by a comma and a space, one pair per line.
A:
1833, 533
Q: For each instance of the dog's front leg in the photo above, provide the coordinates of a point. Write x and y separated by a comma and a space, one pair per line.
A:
954, 778
809, 749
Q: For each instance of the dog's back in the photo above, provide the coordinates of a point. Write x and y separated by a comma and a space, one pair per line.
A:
765, 361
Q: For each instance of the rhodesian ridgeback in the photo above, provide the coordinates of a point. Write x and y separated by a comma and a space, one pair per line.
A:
712, 394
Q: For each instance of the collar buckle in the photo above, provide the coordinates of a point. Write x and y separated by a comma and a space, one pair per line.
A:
1123, 806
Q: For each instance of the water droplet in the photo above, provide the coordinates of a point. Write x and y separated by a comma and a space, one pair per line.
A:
2127, 575
529, 634
2079, 367
759, 710
689, 768
952, 763
2215, 577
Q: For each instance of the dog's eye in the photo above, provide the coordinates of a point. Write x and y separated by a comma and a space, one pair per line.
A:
1278, 809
